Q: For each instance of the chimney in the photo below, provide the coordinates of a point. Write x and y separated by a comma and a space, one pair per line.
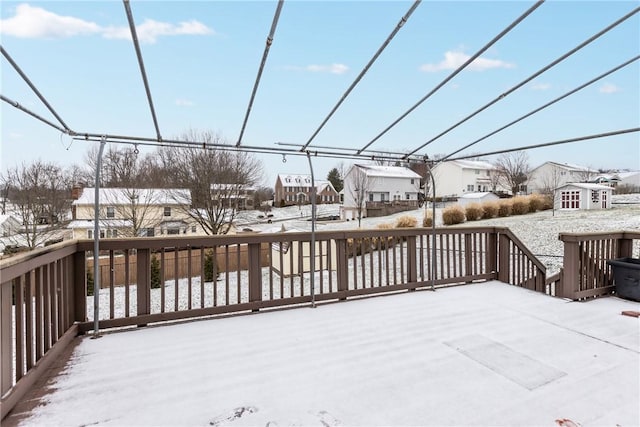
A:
76, 191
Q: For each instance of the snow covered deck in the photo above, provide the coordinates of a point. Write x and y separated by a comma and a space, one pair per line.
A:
481, 354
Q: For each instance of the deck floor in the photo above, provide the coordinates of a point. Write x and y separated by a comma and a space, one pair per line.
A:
481, 354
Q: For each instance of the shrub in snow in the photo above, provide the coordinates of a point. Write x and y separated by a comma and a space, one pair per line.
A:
519, 205
489, 210
155, 272
384, 226
473, 212
535, 202
210, 265
406, 221
547, 203
504, 208
453, 215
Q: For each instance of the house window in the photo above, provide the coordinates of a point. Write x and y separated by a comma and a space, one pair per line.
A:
89, 234
193, 228
111, 212
167, 211
146, 232
382, 197
408, 196
173, 231
477, 171
595, 196
570, 200
470, 187
371, 197
411, 180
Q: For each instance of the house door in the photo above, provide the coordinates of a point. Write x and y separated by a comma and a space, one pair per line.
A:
604, 200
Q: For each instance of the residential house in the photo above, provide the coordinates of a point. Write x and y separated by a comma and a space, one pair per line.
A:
457, 177
550, 175
481, 197
379, 190
128, 212
291, 189
9, 225
630, 180
580, 195
237, 196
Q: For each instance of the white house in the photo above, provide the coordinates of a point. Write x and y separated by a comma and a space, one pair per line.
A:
127, 211
457, 177
629, 179
371, 186
9, 225
481, 197
579, 195
550, 175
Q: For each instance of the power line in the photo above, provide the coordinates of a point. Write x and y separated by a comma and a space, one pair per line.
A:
548, 144
36, 91
274, 24
134, 36
571, 92
458, 70
364, 71
533, 76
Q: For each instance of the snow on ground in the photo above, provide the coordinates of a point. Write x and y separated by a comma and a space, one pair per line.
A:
483, 354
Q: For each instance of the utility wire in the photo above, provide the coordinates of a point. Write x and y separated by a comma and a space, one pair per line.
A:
136, 43
571, 92
32, 114
400, 24
548, 144
274, 24
37, 92
533, 76
452, 75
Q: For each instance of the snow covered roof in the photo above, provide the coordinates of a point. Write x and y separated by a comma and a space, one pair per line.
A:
569, 167
586, 185
6, 218
104, 223
122, 196
388, 171
234, 187
473, 164
479, 195
298, 180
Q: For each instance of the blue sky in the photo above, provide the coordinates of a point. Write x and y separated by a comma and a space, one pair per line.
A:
202, 58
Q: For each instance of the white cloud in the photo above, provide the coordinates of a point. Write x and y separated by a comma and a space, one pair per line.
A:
609, 88
184, 103
541, 86
452, 60
333, 68
35, 22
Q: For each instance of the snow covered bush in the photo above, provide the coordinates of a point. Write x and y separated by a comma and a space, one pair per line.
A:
453, 215
489, 210
536, 201
427, 221
473, 212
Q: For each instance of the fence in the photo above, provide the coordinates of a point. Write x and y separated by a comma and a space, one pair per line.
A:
45, 302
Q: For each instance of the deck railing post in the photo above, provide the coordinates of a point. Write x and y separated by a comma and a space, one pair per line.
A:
143, 280
491, 257
6, 338
342, 266
625, 248
255, 272
571, 274
468, 255
412, 262
504, 256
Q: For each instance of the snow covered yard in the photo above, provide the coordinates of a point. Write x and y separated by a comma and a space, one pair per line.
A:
483, 354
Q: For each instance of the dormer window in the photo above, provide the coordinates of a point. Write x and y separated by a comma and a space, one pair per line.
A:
167, 211
111, 212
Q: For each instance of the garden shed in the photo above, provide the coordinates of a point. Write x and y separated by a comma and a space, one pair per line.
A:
291, 258
479, 197
580, 195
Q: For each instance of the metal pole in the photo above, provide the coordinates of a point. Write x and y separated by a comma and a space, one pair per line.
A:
312, 253
433, 229
96, 242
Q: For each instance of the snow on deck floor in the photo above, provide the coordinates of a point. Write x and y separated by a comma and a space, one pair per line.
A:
482, 354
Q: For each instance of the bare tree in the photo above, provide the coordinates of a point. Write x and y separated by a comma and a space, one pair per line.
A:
514, 170
121, 167
227, 173
135, 209
358, 187
40, 195
586, 174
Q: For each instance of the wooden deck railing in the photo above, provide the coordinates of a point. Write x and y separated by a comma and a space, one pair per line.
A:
45, 302
585, 272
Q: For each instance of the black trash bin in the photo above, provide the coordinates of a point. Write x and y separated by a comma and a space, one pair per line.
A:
626, 277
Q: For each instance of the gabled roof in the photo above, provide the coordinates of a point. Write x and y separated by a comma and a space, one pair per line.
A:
146, 196
388, 171
321, 185
6, 218
473, 164
585, 185
568, 167
295, 180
